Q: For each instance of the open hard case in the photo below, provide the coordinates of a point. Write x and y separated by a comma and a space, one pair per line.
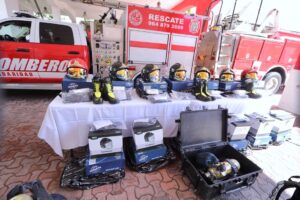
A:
206, 131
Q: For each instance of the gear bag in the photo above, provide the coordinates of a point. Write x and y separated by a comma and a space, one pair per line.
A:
283, 185
37, 190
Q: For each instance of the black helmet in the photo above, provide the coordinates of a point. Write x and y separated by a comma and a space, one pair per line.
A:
150, 73
227, 75
205, 160
202, 74
177, 72
118, 71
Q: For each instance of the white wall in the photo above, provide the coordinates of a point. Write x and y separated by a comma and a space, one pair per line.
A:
7, 6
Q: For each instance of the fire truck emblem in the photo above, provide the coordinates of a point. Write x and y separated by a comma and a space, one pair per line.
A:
135, 17
194, 26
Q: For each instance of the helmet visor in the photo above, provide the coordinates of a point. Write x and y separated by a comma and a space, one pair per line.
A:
252, 75
227, 77
76, 72
122, 74
202, 75
179, 75
154, 76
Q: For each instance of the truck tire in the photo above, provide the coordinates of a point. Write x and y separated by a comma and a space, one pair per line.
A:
272, 83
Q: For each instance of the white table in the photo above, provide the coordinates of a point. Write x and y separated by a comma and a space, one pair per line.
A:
66, 126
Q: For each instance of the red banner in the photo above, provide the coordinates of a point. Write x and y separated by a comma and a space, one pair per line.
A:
157, 20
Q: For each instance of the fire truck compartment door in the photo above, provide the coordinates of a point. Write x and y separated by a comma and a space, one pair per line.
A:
271, 51
183, 51
248, 48
146, 47
290, 53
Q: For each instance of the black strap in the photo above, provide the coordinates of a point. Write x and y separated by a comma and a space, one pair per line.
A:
283, 185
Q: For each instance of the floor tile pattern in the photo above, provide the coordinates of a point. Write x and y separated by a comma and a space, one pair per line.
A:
24, 157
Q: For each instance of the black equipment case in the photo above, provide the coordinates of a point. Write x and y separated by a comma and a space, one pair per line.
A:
206, 131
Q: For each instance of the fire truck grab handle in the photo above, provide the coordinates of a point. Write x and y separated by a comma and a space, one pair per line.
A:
73, 52
22, 50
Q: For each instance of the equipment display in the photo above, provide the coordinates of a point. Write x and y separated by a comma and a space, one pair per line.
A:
104, 164
84, 173
227, 82
183, 86
147, 159
77, 95
97, 95
259, 141
223, 170
249, 79
151, 73
118, 72
279, 137
261, 124
240, 145
69, 84
77, 69
147, 133
208, 159
201, 79
227, 75
177, 72
105, 141
107, 91
284, 120
238, 127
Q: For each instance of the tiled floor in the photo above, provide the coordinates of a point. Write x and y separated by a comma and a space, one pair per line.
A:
24, 157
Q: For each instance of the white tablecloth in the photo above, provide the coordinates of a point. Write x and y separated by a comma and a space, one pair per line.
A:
66, 126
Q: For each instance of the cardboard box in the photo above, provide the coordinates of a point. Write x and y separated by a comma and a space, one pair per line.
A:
240, 145
279, 137
261, 140
105, 141
213, 85
229, 85
126, 84
284, 120
147, 136
71, 84
179, 85
104, 163
147, 154
161, 86
261, 124
238, 128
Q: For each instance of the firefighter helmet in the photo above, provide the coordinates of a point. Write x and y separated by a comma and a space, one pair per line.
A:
77, 69
202, 74
249, 74
227, 75
118, 71
150, 73
177, 72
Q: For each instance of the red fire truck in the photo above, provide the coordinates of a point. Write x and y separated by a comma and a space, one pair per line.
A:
271, 51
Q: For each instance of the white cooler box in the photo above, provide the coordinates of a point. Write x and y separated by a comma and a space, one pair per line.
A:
261, 124
105, 141
284, 120
147, 133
